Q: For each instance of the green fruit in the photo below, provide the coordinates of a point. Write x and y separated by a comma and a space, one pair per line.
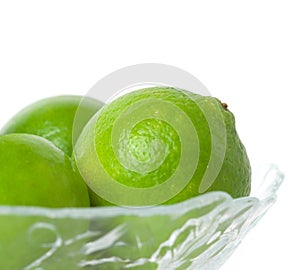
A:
34, 172
162, 145
53, 119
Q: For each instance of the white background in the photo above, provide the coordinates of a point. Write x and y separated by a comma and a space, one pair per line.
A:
247, 53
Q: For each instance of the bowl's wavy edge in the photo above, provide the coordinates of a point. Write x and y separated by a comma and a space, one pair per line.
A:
266, 195
245, 211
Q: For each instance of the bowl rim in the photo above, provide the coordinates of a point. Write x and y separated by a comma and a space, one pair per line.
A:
269, 186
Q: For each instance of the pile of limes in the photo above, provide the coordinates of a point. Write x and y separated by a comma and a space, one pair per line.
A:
152, 146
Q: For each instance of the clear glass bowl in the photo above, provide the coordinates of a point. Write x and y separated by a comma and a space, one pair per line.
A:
200, 233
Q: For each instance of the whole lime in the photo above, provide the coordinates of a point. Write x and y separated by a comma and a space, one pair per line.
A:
53, 119
162, 145
34, 172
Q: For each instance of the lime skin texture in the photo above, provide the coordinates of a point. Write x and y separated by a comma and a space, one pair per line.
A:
34, 172
136, 150
53, 119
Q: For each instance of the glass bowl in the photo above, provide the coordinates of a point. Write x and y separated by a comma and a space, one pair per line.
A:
200, 233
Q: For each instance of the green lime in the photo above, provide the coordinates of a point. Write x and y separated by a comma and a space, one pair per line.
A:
53, 119
162, 145
34, 172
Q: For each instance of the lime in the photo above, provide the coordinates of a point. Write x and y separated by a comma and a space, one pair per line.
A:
53, 119
34, 172
162, 145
